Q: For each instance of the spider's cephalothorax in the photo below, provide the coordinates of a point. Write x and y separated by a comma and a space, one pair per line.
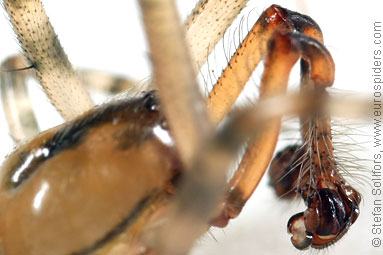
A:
147, 175
78, 186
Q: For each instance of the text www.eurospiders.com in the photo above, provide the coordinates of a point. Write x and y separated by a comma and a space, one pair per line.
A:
376, 171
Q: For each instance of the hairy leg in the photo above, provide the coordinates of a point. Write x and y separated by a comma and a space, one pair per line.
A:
206, 25
44, 53
17, 105
274, 81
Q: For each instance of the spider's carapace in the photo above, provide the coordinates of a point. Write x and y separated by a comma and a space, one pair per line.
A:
79, 186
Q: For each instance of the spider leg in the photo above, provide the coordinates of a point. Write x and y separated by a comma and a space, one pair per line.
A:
287, 48
19, 113
242, 64
43, 50
174, 77
191, 128
105, 82
206, 25
248, 55
183, 107
17, 106
228, 87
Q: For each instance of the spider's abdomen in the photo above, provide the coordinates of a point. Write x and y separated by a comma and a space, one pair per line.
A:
76, 188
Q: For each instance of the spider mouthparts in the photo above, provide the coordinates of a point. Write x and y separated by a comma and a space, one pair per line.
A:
301, 239
328, 216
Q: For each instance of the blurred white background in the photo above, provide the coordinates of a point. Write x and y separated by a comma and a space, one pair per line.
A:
107, 35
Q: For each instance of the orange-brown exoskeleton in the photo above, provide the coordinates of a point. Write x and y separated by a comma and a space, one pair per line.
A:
147, 174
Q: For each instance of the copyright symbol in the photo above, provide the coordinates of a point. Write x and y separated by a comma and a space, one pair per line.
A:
376, 242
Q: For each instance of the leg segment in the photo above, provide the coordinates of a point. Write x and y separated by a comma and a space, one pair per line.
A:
251, 51
17, 106
206, 25
105, 82
184, 110
16, 103
44, 52
174, 76
283, 53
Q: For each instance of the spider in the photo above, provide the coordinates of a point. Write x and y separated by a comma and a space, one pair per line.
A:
150, 102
